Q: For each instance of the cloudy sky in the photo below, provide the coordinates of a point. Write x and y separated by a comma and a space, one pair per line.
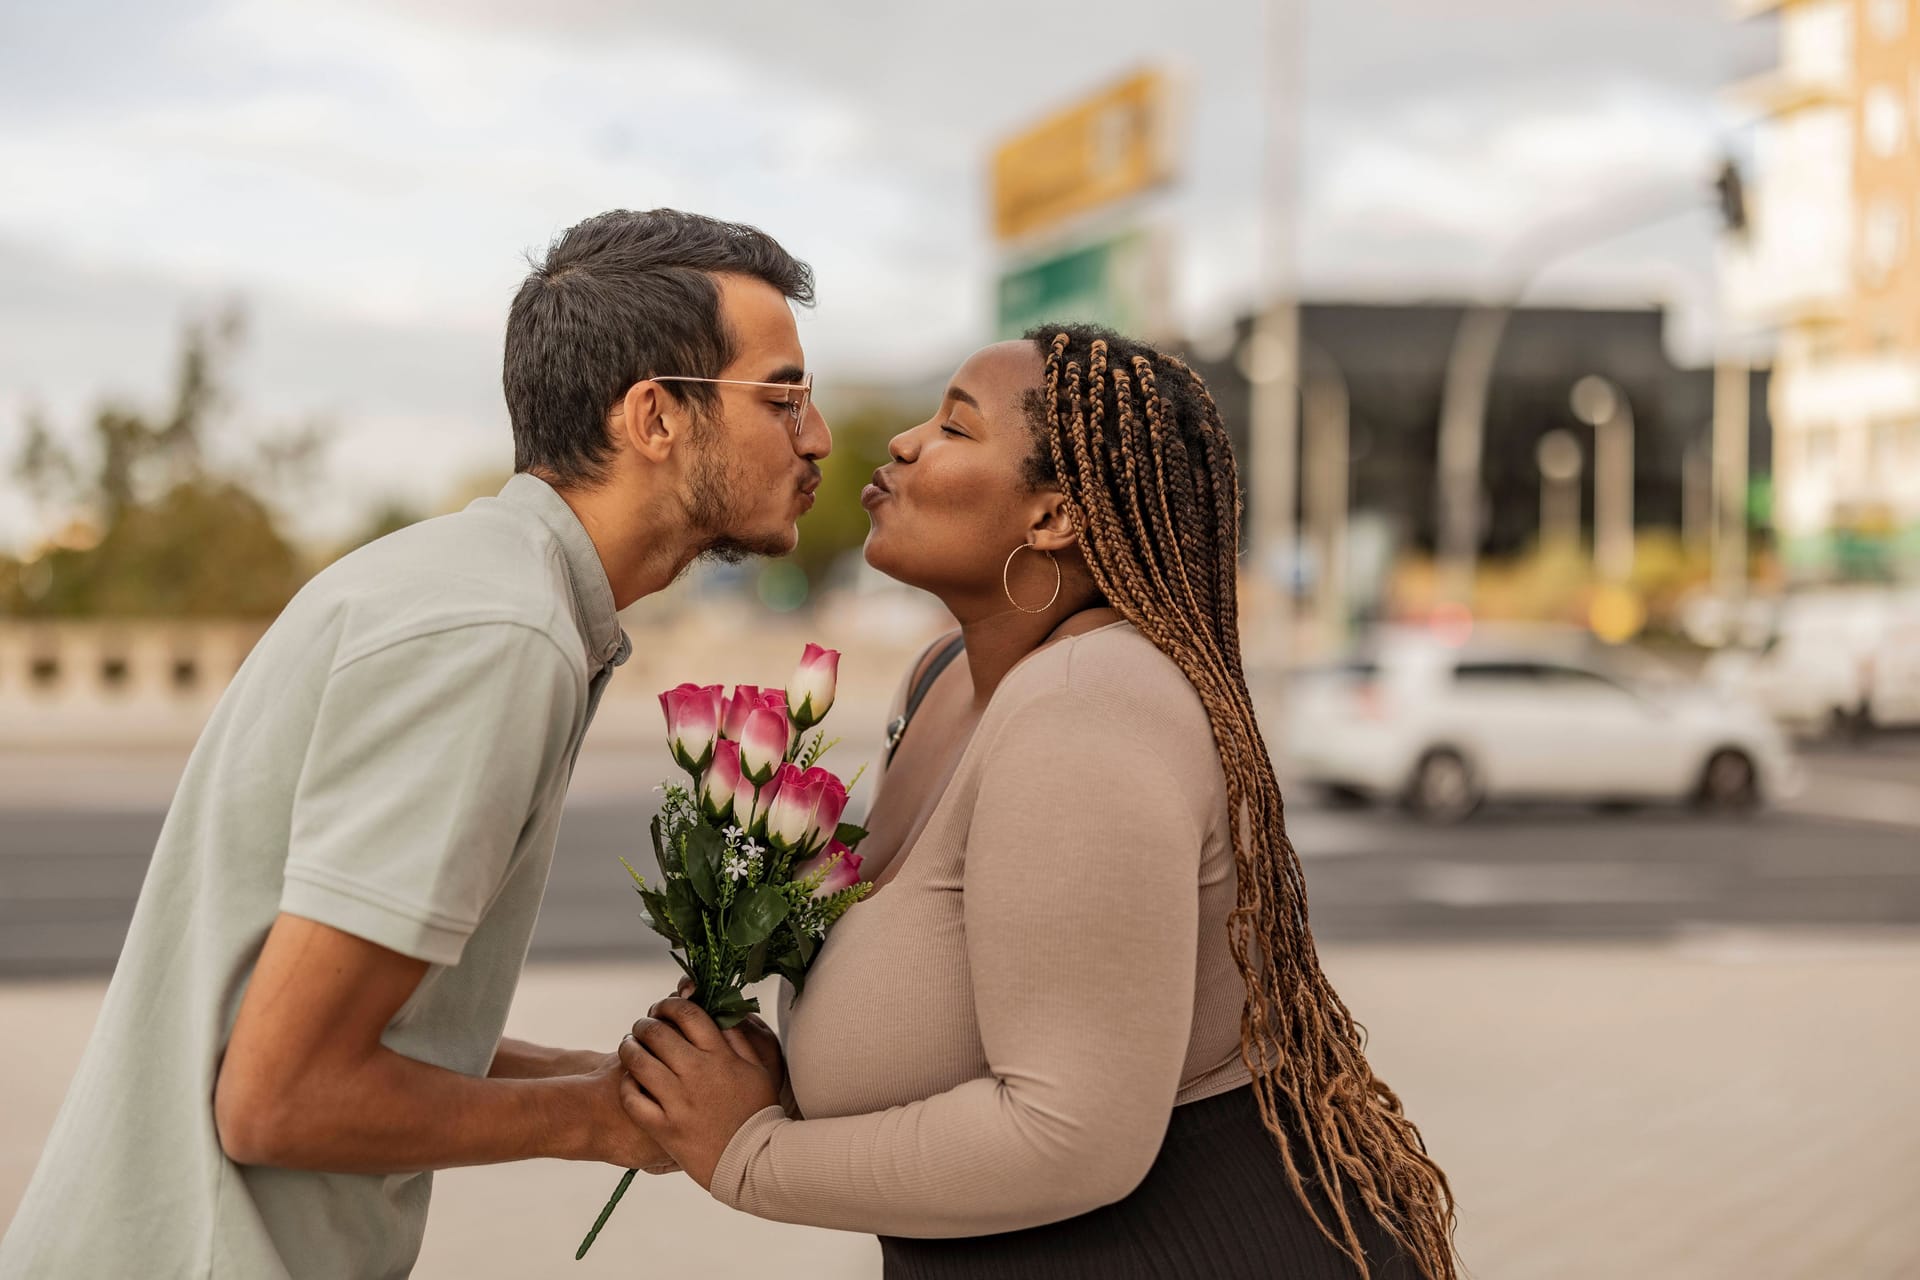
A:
369, 177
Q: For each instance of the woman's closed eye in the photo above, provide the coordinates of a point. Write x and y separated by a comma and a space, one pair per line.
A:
947, 428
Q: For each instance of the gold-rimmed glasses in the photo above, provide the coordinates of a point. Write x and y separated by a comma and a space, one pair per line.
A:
796, 395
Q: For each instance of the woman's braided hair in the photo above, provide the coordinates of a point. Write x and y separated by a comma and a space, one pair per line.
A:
1134, 441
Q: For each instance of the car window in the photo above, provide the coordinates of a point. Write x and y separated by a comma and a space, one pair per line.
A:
1561, 677
1492, 673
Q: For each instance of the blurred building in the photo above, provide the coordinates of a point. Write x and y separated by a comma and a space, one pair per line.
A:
1374, 373
1829, 265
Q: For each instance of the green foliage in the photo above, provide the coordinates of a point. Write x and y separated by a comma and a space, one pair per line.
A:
153, 529
838, 523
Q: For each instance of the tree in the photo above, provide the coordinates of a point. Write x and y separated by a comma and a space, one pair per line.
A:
151, 528
839, 524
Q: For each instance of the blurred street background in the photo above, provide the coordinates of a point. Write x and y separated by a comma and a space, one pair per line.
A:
1572, 354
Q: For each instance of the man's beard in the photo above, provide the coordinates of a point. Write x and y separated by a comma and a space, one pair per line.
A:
713, 495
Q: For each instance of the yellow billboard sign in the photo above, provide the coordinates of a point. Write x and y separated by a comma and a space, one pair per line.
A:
1110, 145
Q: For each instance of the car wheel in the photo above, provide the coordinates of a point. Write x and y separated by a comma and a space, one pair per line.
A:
1729, 783
1443, 788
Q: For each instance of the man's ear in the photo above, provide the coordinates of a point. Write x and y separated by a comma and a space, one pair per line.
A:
1052, 527
648, 421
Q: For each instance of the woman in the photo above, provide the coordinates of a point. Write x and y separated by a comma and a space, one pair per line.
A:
1079, 1028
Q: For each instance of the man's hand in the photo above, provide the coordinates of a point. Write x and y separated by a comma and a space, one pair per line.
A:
691, 1086
306, 1082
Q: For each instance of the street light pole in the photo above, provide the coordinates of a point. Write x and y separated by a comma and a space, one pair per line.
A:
1603, 406
1328, 422
1469, 376
1271, 357
1558, 457
1731, 410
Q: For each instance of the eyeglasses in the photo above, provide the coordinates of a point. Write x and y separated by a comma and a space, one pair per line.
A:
795, 397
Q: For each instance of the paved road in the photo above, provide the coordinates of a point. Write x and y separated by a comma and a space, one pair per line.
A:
1847, 852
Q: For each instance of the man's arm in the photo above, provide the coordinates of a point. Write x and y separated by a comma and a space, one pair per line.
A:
521, 1060
306, 1083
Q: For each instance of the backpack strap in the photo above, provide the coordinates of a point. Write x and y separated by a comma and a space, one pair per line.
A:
942, 658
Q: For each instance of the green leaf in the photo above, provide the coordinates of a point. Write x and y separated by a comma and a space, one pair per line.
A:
756, 916
803, 944
660, 916
730, 1008
669, 866
756, 965
850, 835
682, 910
704, 849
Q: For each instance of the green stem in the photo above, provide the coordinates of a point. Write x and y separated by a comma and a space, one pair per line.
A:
626, 1180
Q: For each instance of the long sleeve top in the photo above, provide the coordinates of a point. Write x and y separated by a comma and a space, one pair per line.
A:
996, 1037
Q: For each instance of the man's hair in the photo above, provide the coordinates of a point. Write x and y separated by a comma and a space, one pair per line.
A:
620, 297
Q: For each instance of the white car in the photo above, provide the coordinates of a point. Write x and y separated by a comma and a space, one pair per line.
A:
1837, 660
1443, 729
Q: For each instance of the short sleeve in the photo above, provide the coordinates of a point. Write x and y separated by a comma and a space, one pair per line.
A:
427, 758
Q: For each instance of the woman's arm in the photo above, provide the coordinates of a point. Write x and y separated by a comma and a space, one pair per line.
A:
1081, 919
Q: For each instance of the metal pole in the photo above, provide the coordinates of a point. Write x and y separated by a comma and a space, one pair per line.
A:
1469, 371
1598, 402
1328, 423
1731, 410
1558, 457
1463, 420
1613, 495
1271, 358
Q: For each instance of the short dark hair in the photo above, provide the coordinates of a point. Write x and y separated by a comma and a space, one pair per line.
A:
620, 297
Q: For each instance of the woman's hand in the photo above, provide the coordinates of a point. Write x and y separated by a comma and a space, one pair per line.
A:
691, 1085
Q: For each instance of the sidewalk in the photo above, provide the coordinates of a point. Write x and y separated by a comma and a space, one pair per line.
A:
1737, 1105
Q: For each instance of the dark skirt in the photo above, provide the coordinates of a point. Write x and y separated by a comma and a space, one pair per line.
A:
1214, 1206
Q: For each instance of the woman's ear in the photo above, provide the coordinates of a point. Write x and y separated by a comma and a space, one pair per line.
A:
1053, 528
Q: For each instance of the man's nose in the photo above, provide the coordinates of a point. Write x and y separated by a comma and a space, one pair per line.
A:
815, 440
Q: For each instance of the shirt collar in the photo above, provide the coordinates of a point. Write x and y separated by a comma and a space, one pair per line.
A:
607, 644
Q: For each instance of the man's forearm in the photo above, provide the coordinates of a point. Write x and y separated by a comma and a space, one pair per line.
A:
520, 1060
392, 1114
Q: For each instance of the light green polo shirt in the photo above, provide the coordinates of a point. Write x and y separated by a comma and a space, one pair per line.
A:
391, 761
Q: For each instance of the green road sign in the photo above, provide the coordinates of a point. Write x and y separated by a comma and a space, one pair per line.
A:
1106, 282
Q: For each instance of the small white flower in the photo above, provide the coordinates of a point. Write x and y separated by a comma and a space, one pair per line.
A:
733, 833
751, 848
735, 866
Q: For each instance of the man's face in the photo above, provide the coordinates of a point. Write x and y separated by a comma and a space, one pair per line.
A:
751, 478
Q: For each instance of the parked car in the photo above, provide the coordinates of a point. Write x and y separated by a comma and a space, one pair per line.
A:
1839, 661
1442, 730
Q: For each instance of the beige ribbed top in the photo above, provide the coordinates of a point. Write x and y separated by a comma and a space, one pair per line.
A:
995, 1038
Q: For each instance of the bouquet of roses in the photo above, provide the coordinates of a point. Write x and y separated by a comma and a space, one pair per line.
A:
755, 864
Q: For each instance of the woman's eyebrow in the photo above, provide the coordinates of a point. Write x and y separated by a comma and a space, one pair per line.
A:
961, 394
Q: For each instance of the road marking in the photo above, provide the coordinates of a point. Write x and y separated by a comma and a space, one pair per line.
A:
1887, 804
1467, 884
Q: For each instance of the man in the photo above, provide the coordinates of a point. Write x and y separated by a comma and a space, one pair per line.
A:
306, 1016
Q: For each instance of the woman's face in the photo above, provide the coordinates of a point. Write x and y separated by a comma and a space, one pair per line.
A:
954, 501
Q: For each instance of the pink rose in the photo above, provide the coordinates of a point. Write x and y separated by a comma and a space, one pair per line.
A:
693, 722
841, 864
810, 690
790, 811
763, 743
826, 818
722, 782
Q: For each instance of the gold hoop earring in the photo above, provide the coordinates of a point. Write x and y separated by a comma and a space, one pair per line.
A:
1008, 569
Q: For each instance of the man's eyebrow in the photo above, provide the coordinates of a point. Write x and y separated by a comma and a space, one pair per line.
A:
786, 373
961, 394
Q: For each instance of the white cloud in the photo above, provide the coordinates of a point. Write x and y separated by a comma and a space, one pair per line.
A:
371, 173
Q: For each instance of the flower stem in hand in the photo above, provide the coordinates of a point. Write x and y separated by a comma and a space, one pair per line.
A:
626, 1181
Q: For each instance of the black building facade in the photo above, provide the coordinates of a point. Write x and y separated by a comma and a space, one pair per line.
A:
1393, 358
